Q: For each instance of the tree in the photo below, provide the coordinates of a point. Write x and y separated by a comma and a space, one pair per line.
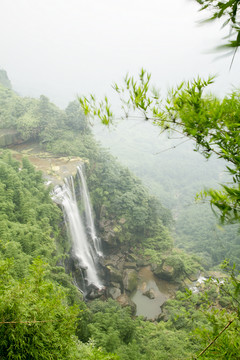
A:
75, 118
4, 80
211, 123
36, 322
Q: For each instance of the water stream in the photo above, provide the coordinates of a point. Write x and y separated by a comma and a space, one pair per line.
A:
88, 211
82, 248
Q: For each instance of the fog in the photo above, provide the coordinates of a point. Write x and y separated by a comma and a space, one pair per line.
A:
62, 48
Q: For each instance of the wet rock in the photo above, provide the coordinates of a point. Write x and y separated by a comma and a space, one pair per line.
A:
124, 301
77, 263
150, 294
79, 278
114, 292
130, 280
93, 292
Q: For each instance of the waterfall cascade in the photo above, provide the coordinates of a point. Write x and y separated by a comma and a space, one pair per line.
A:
88, 212
86, 254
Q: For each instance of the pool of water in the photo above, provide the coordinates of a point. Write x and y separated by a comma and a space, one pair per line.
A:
151, 308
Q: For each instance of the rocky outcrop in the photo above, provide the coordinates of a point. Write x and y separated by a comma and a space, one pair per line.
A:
54, 169
114, 292
130, 280
121, 266
150, 294
124, 301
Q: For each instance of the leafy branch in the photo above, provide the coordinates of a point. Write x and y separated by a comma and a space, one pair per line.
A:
211, 123
213, 341
229, 12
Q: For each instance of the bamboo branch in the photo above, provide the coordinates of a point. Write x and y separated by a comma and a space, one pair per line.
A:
213, 341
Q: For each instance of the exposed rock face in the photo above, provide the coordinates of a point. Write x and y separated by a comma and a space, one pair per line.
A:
120, 267
114, 292
93, 292
150, 294
107, 227
130, 280
54, 168
124, 301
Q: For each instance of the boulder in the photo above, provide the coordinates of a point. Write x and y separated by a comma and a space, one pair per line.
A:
124, 301
114, 292
150, 294
130, 280
93, 292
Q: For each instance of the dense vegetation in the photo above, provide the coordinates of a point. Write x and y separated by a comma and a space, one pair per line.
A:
213, 125
28, 216
174, 173
129, 214
42, 314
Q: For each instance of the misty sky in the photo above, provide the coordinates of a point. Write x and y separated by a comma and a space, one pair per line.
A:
62, 48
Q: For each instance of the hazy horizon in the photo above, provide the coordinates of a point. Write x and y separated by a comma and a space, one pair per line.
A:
67, 48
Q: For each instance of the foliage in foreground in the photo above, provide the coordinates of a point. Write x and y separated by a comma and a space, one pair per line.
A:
36, 321
35, 296
227, 10
213, 124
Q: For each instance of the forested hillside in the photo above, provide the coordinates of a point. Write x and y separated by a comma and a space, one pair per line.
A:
43, 315
132, 215
174, 173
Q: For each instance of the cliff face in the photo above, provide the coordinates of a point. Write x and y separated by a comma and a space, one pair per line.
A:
120, 268
54, 168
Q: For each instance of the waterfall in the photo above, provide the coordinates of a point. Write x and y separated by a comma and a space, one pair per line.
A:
66, 196
88, 212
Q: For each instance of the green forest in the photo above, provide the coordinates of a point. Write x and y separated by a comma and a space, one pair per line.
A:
43, 315
175, 176
165, 194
